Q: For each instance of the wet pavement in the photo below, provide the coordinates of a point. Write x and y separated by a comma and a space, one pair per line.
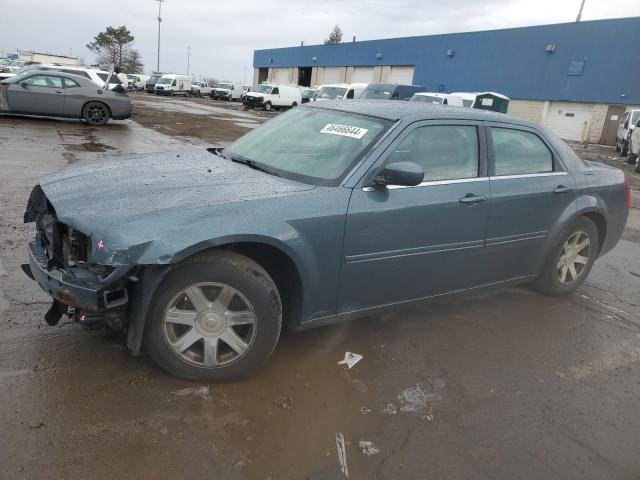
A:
502, 386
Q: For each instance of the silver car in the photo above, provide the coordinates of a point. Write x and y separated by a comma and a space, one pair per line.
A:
55, 94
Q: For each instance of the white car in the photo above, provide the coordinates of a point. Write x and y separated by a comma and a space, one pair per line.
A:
268, 96
227, 91
340, 90
97, 76
173, 84
437, 98
200, 89
625, 129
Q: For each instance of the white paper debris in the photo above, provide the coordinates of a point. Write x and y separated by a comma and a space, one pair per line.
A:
365, 410
368, 448
202, 392
390, 409
412, 399
350, 359
342, 454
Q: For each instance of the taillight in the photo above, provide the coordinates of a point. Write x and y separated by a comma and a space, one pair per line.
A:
628, 193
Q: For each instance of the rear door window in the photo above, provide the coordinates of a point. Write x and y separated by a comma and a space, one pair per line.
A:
518, 152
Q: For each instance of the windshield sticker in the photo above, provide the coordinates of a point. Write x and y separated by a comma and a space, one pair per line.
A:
344, 130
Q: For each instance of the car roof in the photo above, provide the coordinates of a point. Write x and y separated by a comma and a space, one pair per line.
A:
84, 81
414, 111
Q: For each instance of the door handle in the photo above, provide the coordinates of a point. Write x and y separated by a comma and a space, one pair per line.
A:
560, 189
59, 91
471, 199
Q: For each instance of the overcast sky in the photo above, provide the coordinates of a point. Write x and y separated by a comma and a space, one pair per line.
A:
223, 34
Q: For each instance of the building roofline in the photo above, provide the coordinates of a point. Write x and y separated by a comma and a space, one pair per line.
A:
470, 32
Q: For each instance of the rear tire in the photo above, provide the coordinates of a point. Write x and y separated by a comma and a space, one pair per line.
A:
96, 113
569, 262
617, 145
294, 104
631, 158
189, 338
637, 167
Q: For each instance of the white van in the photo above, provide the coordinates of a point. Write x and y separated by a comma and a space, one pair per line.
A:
340, 91
270, 96
173, 84
625, 130
437, 98
227, 91
136, 81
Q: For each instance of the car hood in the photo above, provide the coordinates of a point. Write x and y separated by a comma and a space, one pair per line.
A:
141, 198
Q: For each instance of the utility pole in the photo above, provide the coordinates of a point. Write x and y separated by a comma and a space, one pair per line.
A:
580, 12
159, 22
188, 59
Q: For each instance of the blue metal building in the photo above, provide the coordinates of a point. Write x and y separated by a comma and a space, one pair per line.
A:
595, 62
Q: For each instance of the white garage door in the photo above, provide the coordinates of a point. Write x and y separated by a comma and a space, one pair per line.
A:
362, 75
403, 75
281, 75
332, 75
570, 121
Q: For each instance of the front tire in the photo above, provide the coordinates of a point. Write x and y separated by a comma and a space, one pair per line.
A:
217, 317
268, 106
96, 113
631, 158
570, 259
637, 167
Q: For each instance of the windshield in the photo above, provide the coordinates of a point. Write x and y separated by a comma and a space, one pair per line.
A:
311, 145
226, 86
263, 89
375, 94
132, 77
154, 78
164, 81
331, 93
634, 117
308, 93
427, 99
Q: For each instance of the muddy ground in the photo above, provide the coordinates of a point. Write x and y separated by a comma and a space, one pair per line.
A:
504, 386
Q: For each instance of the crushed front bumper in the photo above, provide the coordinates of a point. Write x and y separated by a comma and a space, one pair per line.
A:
75, 286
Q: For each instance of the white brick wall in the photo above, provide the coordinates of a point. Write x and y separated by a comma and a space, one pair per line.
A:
598, 117
527, 109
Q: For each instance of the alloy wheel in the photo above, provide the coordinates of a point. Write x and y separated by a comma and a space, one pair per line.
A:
573, 257
209, 324
96, 112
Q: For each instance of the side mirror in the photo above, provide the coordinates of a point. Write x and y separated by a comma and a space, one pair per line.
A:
24, 84
406, 174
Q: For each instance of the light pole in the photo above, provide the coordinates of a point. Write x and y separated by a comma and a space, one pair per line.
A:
188, 59
159, 22
580, 12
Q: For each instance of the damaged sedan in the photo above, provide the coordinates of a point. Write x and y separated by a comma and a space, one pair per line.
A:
330, 211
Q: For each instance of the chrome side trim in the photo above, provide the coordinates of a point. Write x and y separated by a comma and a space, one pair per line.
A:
428, 184
528, 175
516, 238
408, 252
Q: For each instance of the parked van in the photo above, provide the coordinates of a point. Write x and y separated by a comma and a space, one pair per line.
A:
273, 96
173, 84
136, 81
227, 91
625, 130
150, 85
437, 98
390, 91
340, 90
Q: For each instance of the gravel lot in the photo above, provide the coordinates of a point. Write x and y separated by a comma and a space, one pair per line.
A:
502, 386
